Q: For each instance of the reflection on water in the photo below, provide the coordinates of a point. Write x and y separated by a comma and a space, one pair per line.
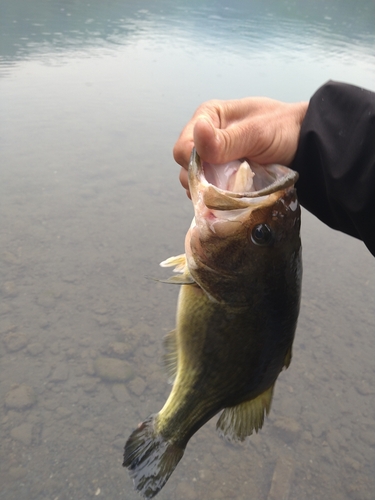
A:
93, 98
30, 28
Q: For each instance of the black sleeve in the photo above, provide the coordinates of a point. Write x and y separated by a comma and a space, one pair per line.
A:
336, 160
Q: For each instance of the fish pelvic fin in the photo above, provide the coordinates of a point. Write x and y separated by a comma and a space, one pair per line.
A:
150, 458
180, 266
288, 358
236, 423
170, 357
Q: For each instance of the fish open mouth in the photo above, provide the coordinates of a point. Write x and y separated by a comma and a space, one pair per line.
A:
241, 178
237, 176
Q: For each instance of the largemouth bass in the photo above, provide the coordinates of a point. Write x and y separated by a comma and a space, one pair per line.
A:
236, 317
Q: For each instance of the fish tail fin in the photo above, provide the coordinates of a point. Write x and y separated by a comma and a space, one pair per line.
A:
150, 458
236, 423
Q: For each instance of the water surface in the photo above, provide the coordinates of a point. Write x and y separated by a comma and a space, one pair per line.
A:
93, 97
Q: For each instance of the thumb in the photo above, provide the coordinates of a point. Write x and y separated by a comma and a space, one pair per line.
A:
216, 145
206, 140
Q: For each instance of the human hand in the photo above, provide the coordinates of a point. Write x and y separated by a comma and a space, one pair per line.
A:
255, 128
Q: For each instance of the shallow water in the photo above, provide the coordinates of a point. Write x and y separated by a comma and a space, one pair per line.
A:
93, 97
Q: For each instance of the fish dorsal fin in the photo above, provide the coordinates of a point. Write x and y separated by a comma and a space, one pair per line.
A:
170, 357
236, 423
179, 261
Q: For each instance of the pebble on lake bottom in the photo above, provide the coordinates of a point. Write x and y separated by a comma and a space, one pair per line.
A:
20, 397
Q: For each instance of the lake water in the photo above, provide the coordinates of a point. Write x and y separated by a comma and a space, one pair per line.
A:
93, 97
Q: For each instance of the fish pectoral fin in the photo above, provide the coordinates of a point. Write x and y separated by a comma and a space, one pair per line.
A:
150, 458
236, 423
170, 357
179, 261
182, 279
175, 280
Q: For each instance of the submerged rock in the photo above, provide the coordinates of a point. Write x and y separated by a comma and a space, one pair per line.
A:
23, 433
61, 373
113, 369
9, 289
15, 341
137, 386
20, 397
288, 428
35, 348
119, 349
120, 392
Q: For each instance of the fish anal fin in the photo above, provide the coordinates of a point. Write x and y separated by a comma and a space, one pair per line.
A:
236, 423
150, 458
170, 357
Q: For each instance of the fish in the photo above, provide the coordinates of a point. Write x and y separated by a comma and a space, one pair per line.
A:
236, 317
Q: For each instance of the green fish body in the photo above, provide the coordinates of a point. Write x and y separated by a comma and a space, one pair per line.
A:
237, 313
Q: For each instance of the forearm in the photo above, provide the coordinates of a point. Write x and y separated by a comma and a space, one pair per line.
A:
336, 160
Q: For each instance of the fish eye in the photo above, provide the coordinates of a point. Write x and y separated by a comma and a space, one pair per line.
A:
261, 234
